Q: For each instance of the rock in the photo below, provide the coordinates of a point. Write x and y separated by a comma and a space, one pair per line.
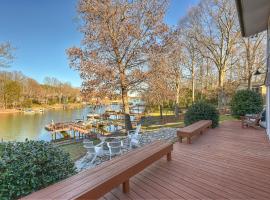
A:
168, 134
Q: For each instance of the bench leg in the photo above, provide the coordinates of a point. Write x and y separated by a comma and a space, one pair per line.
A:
188, 140
126, 186
180, 139
169, 156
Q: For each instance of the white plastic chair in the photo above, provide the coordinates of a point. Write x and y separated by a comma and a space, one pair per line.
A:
134, 133
114, 148
135, 141
93, 151
134, 136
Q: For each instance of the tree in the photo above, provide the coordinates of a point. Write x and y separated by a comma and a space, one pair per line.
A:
159, 88
5, 54
166, 69
214, 28
191, 57
28, 91
118, 35
11, 93
253, 54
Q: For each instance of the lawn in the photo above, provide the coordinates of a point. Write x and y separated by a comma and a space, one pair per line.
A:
153, 122
76, 150
226, 118
167, 125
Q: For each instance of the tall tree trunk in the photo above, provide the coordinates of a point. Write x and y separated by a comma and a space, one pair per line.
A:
128, 124
5, 101
249, 81
221, 79
193, 82
161, 111
193, 90
176, 109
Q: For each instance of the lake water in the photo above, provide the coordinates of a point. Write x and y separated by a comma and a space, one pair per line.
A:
20, 126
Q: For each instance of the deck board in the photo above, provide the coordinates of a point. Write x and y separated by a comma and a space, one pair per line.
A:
224, 163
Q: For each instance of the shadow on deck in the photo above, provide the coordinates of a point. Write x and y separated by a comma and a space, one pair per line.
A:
224, 163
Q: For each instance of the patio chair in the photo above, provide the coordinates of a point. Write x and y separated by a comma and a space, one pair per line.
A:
93, 151
262, 122
251, 120
134, 133
135, 141
114, 148
134, 136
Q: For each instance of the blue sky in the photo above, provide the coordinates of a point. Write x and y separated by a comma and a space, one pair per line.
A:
41, 31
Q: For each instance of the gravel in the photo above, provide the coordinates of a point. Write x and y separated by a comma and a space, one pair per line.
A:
168, 134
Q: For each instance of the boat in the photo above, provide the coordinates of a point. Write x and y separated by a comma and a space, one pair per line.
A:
29, 111
93, 116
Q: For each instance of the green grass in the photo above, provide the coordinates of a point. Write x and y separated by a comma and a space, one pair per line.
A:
157, 123
76, 150
223, 118
154, 114
167, 125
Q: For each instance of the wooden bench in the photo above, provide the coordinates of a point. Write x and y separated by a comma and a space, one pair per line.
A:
193, 129
96, 182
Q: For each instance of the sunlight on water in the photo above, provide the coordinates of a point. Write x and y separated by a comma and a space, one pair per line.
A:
21, 126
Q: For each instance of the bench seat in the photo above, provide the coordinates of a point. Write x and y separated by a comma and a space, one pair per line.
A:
96, 182
193, 129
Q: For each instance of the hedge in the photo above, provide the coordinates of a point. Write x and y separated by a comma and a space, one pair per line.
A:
246, 102
31, 165
201, 111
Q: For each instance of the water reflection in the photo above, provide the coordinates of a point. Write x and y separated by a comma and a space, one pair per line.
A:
21, 126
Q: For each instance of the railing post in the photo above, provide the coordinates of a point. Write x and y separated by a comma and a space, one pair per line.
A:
267, 82
126, 186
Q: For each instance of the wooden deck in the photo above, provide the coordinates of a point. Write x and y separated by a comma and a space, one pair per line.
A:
224, 163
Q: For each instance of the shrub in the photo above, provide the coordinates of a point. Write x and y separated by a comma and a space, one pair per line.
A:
246, 102
201, 111
31, 165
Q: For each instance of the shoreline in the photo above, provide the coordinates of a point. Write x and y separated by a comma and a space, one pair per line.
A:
43, 107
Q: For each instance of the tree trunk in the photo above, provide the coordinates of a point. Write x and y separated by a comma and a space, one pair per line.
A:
221, 78
5, 101
249, 82
193, 83
161, 111
193, 89
176, 110
128, 124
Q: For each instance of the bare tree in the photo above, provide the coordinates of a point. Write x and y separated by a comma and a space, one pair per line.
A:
5, 54
252, 52
190, 60
214, 28
117, 38
166, 65
158, 90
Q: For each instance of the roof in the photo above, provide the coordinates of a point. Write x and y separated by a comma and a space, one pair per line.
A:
253, 16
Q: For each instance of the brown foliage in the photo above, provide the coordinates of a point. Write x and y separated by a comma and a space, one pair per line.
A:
118, 36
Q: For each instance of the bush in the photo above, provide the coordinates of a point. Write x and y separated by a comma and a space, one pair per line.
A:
31, 165
246, 102
201, 111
